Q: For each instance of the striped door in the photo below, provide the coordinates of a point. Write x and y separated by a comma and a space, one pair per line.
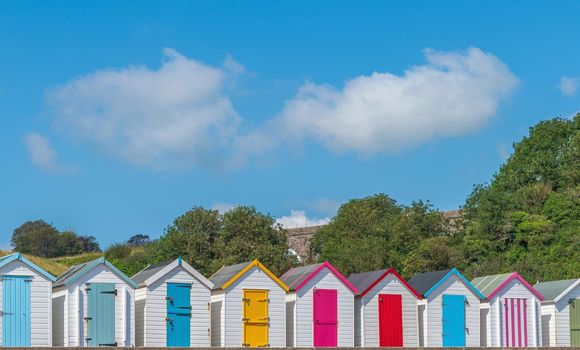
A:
255, 318
16, 310
101, 314
515, 321
325, 318
178, 314
453, 320
574, 322
390, 320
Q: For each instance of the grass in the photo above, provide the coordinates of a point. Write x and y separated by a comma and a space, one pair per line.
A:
57, 266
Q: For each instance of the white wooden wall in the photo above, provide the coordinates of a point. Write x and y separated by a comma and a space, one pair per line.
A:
496, 333
124, 307
325, 279
217, 319
434, 313
254, 279
558, 317
370, 320
40, 303
156, 310
140, 316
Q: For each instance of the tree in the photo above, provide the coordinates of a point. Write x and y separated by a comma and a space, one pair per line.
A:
246, 234
89, 244
36, 238
138, 240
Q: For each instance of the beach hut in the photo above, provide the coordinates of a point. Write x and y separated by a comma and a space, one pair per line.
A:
172, 306
319, 307
385, 310
510, 317
248, 307
449, 311
25, 303
93, 305
560, 312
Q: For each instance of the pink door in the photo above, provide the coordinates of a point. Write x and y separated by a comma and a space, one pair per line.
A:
325, 317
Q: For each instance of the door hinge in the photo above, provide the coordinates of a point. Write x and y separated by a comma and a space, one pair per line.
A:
87, 318
246, 299
109, 344
110, 292
28, 281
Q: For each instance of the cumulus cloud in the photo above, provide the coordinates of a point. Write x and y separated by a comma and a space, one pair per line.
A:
569, 85
172, 117
298, 218
223, 207
42, 154
180, 115
452, 94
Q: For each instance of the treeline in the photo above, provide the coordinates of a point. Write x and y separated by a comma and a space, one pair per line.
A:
44, 240
527, 219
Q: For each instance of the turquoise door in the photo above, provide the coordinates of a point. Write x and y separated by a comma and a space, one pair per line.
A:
178, 314
453, 320
101, 314
16, 311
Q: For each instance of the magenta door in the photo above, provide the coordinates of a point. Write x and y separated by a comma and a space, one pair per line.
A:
325, 317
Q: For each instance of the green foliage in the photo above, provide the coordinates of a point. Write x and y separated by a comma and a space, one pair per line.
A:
375, 232
527, 219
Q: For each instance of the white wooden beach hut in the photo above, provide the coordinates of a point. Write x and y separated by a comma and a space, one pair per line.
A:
385, 310
319, 307
510, 317
560, 312
449, 314
25, 303
248, 307
93, 305
172, 306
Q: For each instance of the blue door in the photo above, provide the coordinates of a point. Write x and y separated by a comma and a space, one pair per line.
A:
101, 314
16, 310
178, 314
453, 320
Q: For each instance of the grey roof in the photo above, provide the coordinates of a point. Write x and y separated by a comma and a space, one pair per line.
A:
143, 275
226, 273
364, 280
65, 276
297, 275
552, 289
424, 281
488, 284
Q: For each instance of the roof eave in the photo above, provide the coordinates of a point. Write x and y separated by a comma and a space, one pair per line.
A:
394, 272
455, 272
332, 269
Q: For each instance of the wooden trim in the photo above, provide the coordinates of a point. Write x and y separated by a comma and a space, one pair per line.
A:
259, 265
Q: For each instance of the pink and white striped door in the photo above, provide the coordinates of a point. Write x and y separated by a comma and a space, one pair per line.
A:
515, 322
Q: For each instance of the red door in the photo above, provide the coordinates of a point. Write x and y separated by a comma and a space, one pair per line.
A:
325, 317
390, 320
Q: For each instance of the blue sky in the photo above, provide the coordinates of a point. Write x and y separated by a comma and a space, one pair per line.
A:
116, 117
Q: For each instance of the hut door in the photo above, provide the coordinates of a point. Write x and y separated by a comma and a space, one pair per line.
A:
178, 314
16, 311
574, 322
515, 320
255, 317
453, 320
390, 320
101, 314
325, 317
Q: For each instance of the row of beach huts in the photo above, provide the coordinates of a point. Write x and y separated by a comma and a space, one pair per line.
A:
245, 305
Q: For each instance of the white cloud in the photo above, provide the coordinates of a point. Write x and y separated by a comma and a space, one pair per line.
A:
172, 117
298, 218
569, 85
452, 94
42, 154
223, 207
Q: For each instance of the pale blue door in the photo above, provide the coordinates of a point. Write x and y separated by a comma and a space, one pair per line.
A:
178, 314
453, 320
101, 314
16, 310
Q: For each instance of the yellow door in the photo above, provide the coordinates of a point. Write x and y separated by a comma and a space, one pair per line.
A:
255, 318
